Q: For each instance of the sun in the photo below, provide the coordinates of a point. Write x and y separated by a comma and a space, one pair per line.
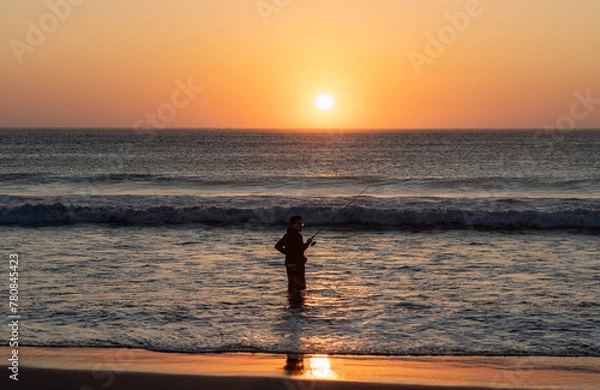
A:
324, 102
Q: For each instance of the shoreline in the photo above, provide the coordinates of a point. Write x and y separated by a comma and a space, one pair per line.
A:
120, 368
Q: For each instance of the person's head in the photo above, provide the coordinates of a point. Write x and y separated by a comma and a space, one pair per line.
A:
296, 222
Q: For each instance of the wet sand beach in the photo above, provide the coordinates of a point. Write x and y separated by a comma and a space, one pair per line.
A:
116, 368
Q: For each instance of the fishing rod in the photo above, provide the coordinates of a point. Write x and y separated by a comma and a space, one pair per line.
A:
342, 210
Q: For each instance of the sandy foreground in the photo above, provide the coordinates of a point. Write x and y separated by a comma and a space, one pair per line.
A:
116, 368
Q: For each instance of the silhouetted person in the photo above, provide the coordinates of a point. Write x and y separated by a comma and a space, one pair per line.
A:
294, 364
293, 247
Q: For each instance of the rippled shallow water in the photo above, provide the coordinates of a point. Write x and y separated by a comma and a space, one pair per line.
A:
197, 288
466, 242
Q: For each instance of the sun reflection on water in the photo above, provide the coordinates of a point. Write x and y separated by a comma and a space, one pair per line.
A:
314, 367
319, 366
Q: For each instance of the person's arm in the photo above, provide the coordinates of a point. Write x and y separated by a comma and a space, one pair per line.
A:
308, 243
295, 248
280, 246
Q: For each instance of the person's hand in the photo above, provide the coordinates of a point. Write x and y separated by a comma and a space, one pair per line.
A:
311, 242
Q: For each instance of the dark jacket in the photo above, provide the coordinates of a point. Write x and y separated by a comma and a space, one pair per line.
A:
292, 246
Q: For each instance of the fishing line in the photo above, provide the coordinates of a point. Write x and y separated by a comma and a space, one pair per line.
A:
342, 210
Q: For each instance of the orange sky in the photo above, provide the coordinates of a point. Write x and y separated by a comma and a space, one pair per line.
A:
261, 63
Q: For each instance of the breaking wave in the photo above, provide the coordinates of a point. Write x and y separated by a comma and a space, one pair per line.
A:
378, 213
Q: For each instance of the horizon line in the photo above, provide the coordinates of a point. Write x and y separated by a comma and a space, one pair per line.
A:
294, 129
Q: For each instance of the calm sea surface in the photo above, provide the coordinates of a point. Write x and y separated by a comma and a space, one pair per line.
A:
473, 242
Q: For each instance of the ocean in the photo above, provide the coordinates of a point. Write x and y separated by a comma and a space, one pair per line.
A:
463, 243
